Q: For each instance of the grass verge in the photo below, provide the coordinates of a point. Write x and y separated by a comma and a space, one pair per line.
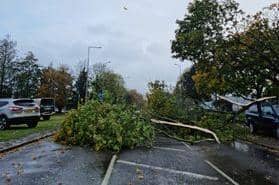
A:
19, 131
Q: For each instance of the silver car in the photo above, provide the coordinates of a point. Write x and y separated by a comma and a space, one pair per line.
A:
18, 111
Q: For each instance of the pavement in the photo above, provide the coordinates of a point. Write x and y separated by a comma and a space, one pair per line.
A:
12, 144
169, 162
265, 140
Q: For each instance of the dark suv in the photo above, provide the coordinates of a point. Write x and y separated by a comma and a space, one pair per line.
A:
47, 107
265, 119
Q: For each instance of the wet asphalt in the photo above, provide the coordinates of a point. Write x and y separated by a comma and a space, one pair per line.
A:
168, 163
244, 164
48, 163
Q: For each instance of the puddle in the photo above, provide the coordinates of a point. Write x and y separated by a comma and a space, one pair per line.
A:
240, 146
254, 150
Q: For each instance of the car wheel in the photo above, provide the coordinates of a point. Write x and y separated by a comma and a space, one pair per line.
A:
3, 123
32, 125
252, 128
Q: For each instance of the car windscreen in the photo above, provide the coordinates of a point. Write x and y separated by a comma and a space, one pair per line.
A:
276, 108
24, 103
3, 103
47, 102
253, 109
275, 105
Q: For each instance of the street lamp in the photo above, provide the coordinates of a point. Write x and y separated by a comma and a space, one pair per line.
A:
180, 69
180, 77
88, 61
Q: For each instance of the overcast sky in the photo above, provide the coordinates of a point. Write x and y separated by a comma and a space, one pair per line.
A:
136, 41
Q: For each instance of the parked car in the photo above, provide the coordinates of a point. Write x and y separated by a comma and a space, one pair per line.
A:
18, 111
47, 107
267, 119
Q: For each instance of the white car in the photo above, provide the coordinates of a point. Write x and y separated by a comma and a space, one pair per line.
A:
18, 111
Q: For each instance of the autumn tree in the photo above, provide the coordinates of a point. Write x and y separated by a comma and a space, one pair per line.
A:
57, 84
135, 98
27, 77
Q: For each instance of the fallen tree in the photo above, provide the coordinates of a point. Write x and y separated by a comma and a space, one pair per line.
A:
187, 126
203, 128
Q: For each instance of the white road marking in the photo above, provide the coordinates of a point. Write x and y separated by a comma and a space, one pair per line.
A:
221, 172
109, 170
187, 145
172, 149
190, 174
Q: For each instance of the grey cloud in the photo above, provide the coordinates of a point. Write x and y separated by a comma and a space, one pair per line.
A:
102, 29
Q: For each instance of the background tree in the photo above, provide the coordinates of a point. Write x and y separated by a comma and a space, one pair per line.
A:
80, 85
109, 82
56, 84
160, 102
250, 58
27, 77
186, 88
48, 85
135, 98
64, 82
7, 58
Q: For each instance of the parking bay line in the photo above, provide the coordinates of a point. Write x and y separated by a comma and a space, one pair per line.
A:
215, 168
187, 145
109, 170
221, 172
190, 174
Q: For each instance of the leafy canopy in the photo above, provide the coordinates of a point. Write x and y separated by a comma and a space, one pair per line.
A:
231, 53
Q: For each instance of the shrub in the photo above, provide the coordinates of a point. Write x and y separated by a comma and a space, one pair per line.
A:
106, 126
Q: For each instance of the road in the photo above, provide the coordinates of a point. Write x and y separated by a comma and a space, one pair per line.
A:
168, 162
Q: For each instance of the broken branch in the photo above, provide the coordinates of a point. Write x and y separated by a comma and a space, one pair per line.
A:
187, 126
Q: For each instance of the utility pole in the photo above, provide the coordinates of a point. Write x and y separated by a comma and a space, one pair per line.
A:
88, 63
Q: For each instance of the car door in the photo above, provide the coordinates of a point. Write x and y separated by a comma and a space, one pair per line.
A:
253, 117
268, 118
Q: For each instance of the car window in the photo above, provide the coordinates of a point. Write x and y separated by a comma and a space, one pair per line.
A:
3, 103
26, 103
267, 111
47, 102
276, 108
253, 109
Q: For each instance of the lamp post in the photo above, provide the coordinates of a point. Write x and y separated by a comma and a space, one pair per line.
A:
180, 70
88, 61
180, 78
